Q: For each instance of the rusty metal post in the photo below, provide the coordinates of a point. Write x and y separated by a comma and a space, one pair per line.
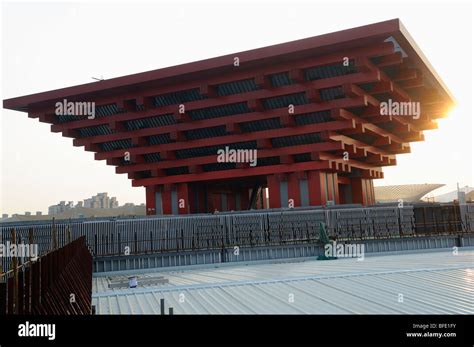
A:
54, 236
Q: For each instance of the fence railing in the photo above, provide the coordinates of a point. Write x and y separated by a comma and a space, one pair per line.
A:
251, 229
59, 282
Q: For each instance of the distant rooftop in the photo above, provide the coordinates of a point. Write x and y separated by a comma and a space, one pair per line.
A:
406, 192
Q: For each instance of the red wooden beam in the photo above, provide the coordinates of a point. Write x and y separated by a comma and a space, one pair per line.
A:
225, 140
233, 173
219, 121
262, 153
228, 100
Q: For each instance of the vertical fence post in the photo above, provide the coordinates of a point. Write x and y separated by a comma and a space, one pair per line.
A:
54, 236
29, 273
68, 234
15, 274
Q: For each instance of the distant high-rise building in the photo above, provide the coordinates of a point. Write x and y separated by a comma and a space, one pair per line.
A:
98, 201
113, 203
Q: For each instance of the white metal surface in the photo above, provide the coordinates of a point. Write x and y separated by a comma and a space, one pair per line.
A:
439, 282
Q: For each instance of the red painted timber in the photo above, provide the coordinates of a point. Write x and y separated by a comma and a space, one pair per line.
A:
233, 173
366, 77
261, 153
166, 200
273, 184
294, 189
170, 85
150, 200
316, 188
224, 140
183, 197
219, 121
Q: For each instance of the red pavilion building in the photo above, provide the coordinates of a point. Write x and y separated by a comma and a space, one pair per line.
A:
310, 108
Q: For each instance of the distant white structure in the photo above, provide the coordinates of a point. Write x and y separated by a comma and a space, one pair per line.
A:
448, 197
405, 192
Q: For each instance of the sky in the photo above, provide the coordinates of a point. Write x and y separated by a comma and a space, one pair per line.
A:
53, 45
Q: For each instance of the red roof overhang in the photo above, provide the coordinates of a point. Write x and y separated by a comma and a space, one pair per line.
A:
313, 46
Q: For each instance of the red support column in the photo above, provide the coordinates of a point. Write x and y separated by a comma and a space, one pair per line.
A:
231, 202
215, 201
342, 199
359, 194
274, 191
150, 200
244, 199
183, 198
370, 191
201, 200
294, 189
329, 178
335, 179
317, 188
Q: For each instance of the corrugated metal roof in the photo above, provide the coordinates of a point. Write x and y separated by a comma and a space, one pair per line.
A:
152, 157
312, 118
95, 131
117, 144
106, 110
296, 140
328, 94
259, 125
327, 71
178, 97
285, 100
159, 139
431, 282
280, 79
64, 118
219, 111
204, 133
100, 111
210, 150
151, 122
236, 87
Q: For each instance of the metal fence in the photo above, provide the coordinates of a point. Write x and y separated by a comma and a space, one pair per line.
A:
59, 282
250, 229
